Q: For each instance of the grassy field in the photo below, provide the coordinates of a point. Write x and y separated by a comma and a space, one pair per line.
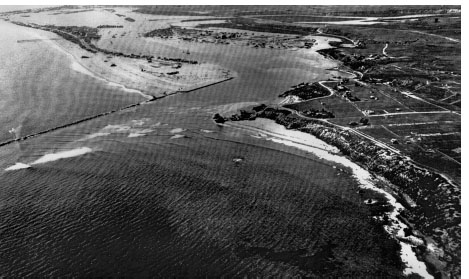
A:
408, 95
337, 105
431, 139
409, 66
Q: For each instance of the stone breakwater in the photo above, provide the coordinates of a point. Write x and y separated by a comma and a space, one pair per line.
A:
433, 205
151, 99
77, 122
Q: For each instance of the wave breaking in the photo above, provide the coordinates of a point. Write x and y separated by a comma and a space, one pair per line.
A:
50, 157
18, 166
279, 134
62, 155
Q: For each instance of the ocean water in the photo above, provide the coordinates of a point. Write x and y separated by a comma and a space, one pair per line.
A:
40, 89
161, 190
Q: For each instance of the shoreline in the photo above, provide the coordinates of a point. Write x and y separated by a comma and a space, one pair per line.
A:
403, 183
151, 99
75, 63
164, 87
416, 208
364, 178
79, 67
401, 179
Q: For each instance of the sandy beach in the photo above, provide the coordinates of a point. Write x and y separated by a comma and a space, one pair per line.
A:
267, 129
128, 72
136, 75
152, 56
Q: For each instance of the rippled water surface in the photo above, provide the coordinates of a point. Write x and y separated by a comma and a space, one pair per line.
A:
161, 190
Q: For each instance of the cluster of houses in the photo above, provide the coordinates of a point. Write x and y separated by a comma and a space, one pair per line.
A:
346, 93
211, 36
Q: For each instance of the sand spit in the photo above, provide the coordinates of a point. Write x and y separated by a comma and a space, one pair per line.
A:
76, 66
279, 134
126, 108
147, 77
73, 52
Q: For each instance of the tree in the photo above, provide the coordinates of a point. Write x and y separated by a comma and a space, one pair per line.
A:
364, 121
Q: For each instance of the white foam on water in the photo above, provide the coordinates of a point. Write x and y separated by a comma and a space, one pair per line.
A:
143, 131
124, 129
206, 131
177, 130
134, 135
94, 135
139, 132
408, 257
62, 155
18, 166
279, 134
265, 128
413, 264
52, 157
117, 128
178, 136
138, 122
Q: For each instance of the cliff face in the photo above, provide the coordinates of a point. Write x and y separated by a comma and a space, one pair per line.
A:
433, 204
